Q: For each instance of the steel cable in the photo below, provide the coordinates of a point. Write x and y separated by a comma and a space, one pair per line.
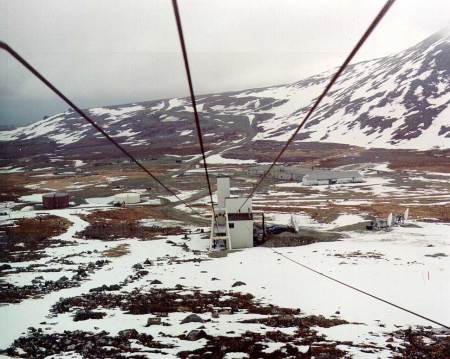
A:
341, 69
37, 74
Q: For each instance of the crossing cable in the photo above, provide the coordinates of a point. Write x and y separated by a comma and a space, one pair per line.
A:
344, 65
360, 290
36, 73
194, 103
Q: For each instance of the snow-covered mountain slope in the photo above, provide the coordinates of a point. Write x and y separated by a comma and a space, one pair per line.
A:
398, 101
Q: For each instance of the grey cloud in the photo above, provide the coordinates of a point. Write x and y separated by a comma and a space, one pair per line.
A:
102, 52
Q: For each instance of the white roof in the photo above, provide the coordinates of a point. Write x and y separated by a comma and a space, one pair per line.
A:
319, 175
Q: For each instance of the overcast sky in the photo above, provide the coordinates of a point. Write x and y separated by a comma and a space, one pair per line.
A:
101, 52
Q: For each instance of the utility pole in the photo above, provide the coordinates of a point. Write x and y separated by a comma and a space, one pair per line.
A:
263, 227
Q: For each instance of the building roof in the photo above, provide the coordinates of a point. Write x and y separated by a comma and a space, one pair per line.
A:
55, 194
294, 170
324, 175
283, 168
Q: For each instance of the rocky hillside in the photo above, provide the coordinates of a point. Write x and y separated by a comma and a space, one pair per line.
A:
398, 101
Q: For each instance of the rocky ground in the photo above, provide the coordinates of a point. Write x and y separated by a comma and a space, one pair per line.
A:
99, 281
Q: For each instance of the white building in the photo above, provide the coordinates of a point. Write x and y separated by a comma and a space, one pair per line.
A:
127, 198
232, 228
320, 177
282, 172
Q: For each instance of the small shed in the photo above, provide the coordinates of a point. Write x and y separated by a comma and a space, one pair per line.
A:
127, 198
55, 200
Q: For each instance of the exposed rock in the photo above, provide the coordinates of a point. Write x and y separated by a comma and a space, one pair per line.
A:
106, 288
87, 314
37, 279
155, 281
153, 321
238, 284
86, 344
82, 272
196, 334
62, 279
5, 267
192, 318
128, 333
436, 255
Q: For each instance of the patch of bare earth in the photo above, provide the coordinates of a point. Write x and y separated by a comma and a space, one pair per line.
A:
27, 238
117, 251
13, 187
304, 237
422, 343
437, 212
125, 223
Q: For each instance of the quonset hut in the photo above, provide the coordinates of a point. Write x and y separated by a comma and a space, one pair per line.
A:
319, 177
233, 226
288, 173
55, 200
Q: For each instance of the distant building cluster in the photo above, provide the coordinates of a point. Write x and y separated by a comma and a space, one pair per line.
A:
308, 176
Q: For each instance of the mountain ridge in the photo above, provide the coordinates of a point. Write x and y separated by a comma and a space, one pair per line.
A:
397, 101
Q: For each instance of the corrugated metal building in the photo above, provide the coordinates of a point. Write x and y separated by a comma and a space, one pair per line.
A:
320, 177
288, 173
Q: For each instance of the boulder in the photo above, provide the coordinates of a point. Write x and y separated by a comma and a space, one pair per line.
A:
62, 279
5, 267
153, 321
128, 333
238, 284
192, 318
37, 279
87, 314
105, 287
196, 334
